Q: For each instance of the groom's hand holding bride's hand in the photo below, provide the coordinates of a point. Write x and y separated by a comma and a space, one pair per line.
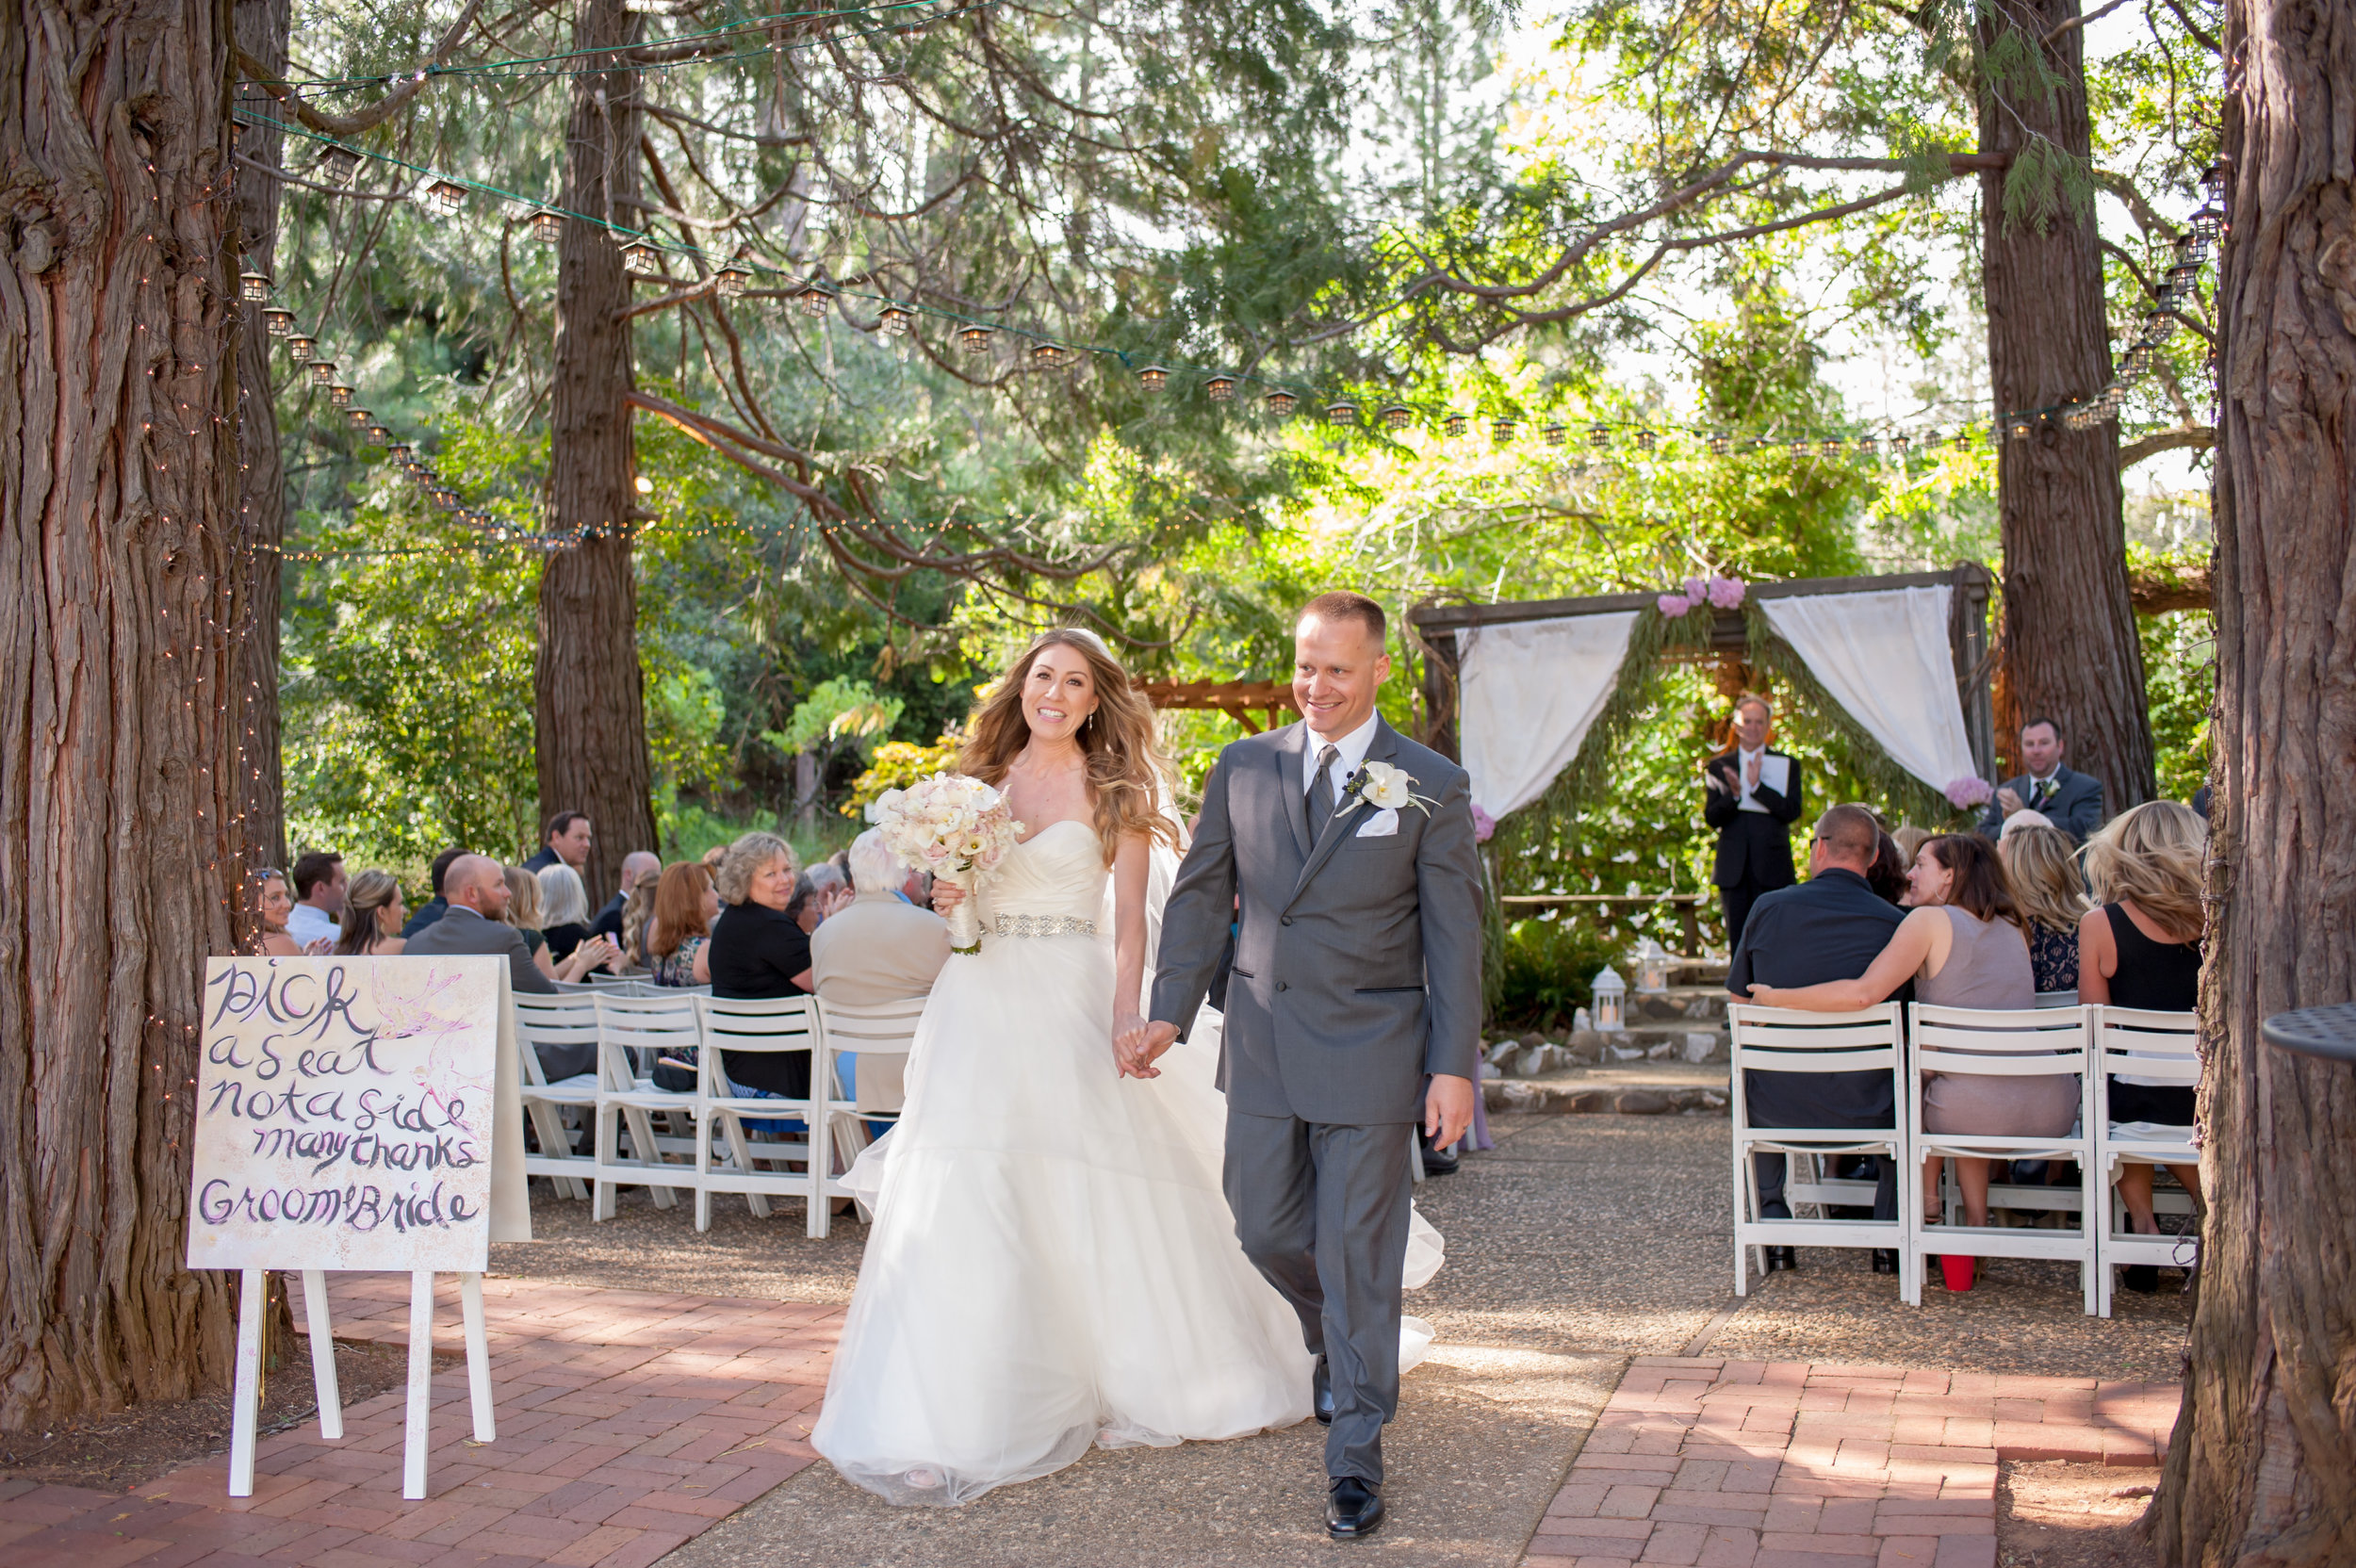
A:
1447, 1108
1137, 1043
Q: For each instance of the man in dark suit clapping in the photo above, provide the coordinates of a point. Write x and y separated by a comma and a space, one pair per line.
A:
2071, 801
1751, 795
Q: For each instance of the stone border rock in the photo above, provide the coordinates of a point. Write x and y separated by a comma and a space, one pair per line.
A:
1534, 1099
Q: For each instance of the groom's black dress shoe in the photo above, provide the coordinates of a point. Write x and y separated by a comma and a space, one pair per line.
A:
1353, 1509
1781, 1259
1885, 1260
1321, 1393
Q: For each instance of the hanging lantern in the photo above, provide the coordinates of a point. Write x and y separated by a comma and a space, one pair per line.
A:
2183, 277
2207, 224
1278, 403
547, 225
1398, 417
1646, 440
445, 499
377, 436
278, 321
337, 165
2159, 325
1830, 447
1610, 994
359, 416
1153, 377
641, 259
974, 338
1869, 446
813, 297
2138, 360
729, 278
322, 373
300, 346
1220, 388
1556, 433
895, 320
1503, 429
1341, 411
339, 396
254, 287
1720, 443
2213, 180
1962, 440
1899, 442
1048, 356
2019, 426
1799, 448
398, 452
447, 197
1456, 425
1599, 436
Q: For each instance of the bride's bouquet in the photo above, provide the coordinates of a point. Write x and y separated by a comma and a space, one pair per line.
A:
957, 828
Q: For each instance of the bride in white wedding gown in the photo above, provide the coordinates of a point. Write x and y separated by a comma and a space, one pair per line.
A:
1052, 1263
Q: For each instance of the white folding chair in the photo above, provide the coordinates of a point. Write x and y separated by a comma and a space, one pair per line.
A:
2161, 1048
557, 1021
865, 1033
1971, 1042
632, 1032
784, 1025
2057, 999
1778, 1040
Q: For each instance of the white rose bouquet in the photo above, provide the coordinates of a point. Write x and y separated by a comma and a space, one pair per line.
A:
957, 828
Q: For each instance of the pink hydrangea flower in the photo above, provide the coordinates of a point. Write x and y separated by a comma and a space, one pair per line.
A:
1484, 825
1695, 590
1673, 605
1725, 592
1969, 791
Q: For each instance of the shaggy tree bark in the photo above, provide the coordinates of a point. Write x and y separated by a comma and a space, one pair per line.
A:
261, 32
589, 701
2259, 1470
2069, 645
117, 541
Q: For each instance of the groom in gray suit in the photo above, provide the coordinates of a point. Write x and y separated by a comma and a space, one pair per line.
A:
1354, 1000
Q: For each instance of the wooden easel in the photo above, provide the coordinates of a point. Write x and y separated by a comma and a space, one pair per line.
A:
245, 1418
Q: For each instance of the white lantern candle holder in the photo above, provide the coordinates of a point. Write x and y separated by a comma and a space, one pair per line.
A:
1608, 995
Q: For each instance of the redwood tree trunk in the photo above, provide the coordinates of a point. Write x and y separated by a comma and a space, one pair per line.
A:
118, 538
589, 704
2259, 1470
2069, 645
261, 32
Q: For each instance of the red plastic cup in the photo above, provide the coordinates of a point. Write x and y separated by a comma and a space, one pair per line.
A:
1955, 1272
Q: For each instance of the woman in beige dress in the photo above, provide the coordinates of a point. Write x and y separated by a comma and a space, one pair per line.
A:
1962, 946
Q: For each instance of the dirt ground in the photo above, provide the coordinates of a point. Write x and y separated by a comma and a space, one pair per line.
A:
2050, 1513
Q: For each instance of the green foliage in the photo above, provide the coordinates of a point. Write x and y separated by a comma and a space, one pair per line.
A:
1545, 974
837, 712
2179, 681
896, 765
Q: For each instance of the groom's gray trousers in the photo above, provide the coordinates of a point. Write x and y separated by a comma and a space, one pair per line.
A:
1322, 1211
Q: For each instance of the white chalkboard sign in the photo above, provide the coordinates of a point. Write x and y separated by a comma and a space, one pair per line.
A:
358, 1113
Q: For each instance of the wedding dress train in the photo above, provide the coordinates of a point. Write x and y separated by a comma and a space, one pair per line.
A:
1052, 1263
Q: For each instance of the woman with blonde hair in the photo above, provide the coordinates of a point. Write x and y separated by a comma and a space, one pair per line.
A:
2042, 864
372, 917
2142, 948
524, 914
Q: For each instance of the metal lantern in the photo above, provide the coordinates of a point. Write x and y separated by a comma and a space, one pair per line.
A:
1456, 424
813, 297
729, 278
974, 338
377, 436
2213, 180
2207, 224
895, 320
337, 165
1556, 433
1048, 356
1221, 389
1398, 417
1829, 448
278, 321
1153, 377
1646, 440
1599, 436
641, 259
2159, 325
2183, 276
1899, 442
1720, 443
322, 373
1869, 445
359, 416
447, 197
1341, 411
339, 396
300, 346
1799, 448
1652, 968
254, 287
1503, 429
445, 499
1280, 403
547, 225
398, 452
1609, 993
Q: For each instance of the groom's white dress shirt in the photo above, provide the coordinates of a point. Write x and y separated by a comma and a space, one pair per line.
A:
1352, 746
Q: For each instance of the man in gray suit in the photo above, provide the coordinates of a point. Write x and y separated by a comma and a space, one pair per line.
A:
2071, 801
477, 898
1355, 996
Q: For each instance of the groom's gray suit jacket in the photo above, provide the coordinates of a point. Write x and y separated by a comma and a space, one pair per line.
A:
1358, 962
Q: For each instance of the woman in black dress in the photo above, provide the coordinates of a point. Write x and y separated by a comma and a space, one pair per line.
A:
759, 951
2142, 949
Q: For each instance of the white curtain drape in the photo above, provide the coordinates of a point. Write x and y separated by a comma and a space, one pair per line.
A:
1884, 657
1528, 693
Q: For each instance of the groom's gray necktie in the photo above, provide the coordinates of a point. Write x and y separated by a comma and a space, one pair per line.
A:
1321, 790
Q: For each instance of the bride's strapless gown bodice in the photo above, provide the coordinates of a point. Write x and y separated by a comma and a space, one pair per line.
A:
1052, 1263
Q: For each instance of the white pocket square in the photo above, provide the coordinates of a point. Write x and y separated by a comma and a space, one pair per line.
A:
1380, 825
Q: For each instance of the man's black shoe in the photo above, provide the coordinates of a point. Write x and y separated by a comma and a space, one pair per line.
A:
1321, 1393
2141, 1278
1885, 1260
1434, 1162
1353, 1509
1781, 1259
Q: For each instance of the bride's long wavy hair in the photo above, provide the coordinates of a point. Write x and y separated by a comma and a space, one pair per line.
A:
1128, 770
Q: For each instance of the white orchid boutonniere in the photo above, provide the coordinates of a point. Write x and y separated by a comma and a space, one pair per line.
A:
1388, 789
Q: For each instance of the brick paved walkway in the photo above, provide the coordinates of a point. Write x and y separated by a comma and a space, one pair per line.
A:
628, 1422
1785, 1464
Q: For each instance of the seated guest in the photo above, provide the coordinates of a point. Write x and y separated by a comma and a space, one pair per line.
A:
1887, 876
2071, 801
476, 890
637, 863
432, 909
525, 914
1828, 927
1910, 839
2142, 949
1962, 946
881, 948
2042, 865
757, 951
564, 909
565, 839
678, 935
638, 911
271, 903
318, 891
712, 857
821, 890
372, 916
